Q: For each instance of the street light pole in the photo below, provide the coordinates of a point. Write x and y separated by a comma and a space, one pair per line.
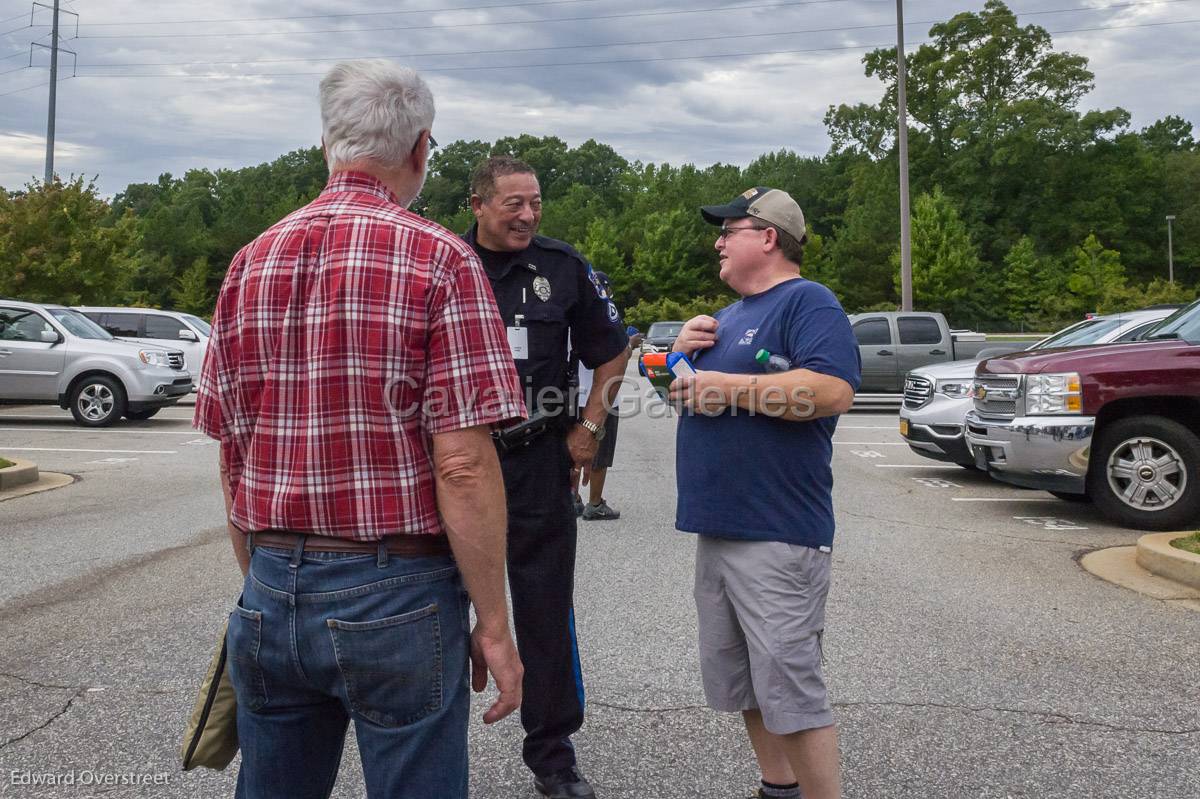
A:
906, 289
1170, 251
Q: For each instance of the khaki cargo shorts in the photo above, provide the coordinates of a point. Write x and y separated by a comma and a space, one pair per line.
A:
761, 609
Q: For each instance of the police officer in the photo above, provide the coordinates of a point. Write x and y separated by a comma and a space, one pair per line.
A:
545, 290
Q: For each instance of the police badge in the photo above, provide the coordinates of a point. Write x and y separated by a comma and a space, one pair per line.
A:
541, 287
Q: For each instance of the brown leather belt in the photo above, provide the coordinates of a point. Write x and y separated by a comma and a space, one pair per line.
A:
404, 546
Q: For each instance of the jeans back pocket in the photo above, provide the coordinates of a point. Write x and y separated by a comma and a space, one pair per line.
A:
243, 640
392, 667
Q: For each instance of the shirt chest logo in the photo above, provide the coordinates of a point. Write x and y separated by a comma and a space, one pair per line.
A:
748, 338
541, 288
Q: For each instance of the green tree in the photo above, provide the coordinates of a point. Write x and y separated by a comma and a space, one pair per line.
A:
859, 268
1097, 274
447, 189
1033, 288
191, 293
947, 273
59, 243
1169, 134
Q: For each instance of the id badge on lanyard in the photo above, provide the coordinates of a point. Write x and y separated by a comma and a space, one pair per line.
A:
518, 339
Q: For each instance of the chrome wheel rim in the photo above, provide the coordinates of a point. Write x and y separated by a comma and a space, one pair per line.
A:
96, 402
1147, 474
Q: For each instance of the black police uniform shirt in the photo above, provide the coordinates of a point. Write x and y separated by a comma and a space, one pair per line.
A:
551, 288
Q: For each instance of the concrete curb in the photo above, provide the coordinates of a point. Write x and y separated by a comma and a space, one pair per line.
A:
47, 481
20, 473
1119, 565
1155, 554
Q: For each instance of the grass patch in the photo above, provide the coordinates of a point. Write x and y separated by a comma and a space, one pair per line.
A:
1189, 543
5, 464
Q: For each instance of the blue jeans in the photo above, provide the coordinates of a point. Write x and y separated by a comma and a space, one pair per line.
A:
320, 638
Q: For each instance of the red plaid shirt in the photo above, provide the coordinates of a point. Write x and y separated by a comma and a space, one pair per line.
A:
344, 337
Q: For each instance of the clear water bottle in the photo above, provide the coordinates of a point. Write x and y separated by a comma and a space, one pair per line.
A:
772, 362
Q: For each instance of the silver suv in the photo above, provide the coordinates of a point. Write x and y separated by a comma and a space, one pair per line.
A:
50, 354
157, 328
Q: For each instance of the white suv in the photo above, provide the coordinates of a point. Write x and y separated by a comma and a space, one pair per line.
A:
173, 329
50, 354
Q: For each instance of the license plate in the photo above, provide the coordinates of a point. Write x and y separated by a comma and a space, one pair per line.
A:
904, 427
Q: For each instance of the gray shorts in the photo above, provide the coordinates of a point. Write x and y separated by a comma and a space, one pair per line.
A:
761, 608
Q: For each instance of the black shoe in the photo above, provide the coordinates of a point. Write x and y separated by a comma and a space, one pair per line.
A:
565, 784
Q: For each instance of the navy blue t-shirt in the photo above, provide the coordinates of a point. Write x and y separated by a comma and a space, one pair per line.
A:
757, 477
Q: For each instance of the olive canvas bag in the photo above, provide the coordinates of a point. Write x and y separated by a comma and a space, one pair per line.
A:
211, 739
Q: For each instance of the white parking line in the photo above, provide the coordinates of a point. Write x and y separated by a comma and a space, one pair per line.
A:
1005, 499
75, 431
104, 451
912, 466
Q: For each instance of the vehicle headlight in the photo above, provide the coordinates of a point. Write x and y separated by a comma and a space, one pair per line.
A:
1053, 394
153, 357
954, 388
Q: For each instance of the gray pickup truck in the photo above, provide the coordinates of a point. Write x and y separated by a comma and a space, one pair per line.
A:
893, 343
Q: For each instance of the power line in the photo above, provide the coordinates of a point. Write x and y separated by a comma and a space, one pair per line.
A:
447, 53
629, 15
346, 15
27, 88
615, 61
494, 67
500, 51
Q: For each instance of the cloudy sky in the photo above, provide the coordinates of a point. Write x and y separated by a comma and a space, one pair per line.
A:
168, 86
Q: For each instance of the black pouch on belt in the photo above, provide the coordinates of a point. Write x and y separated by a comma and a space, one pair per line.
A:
522, 433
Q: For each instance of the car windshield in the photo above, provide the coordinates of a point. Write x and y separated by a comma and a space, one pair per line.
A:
1183, 324
665, 329
1086, 332
198, 323
79, 325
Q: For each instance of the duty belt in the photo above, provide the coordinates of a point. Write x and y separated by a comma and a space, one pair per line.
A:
523, 433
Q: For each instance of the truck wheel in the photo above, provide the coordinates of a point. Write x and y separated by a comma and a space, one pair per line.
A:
1145, 473
139, 416
97, 401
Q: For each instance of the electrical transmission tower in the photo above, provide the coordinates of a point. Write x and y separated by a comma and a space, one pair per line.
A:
53, 47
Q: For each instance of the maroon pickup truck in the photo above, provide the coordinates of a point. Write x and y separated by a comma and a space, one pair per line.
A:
1116, 424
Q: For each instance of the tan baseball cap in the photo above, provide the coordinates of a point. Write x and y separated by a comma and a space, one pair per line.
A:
761, 202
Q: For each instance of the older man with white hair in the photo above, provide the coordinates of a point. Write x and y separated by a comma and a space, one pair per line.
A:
356, 366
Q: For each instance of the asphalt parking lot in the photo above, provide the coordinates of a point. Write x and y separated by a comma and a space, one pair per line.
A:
968, 653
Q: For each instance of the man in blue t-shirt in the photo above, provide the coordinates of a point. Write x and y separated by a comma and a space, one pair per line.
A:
753, 464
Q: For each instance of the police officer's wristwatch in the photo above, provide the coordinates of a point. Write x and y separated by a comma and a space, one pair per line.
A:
597, 430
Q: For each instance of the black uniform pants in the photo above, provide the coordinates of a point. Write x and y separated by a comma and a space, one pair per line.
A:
541, 576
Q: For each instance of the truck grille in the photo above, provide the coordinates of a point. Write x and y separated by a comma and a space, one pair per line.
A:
917, 391
175, 360
997, 397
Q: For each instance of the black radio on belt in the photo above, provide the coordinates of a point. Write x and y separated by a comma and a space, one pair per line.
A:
522, 433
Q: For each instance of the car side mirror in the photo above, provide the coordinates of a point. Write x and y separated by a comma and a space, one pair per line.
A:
50, 337
188, 335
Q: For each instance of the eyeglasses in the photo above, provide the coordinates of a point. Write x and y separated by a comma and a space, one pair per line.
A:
432, 142
726, 232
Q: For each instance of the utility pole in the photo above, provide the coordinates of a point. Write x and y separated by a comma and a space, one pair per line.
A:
906, 289
1170, 251
53, 95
